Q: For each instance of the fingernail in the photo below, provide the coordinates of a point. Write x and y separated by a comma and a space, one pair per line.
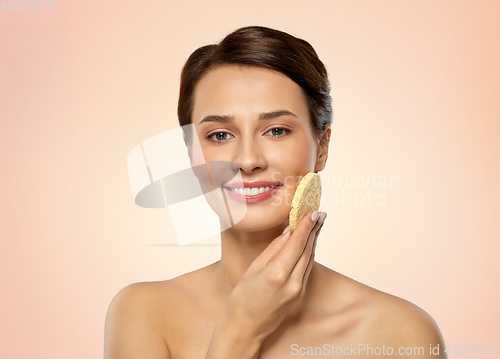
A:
315, 215
323, 220
286, 229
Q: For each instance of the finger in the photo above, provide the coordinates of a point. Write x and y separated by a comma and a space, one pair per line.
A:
300, 268
287, 258
311, 261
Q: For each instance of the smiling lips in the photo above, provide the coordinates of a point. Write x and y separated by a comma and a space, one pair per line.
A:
252, 192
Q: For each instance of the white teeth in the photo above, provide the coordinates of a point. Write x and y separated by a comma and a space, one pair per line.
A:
251, 191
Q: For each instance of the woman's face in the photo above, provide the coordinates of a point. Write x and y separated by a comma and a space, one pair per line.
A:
259, 120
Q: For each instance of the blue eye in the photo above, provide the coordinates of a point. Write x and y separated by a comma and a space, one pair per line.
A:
279, 131
218, 136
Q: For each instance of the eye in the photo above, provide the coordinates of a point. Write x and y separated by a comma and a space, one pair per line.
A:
218, 136
279, 132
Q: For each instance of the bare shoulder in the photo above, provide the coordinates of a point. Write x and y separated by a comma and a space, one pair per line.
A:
132, 326
149, 319
398, 323
140, 314
380, 319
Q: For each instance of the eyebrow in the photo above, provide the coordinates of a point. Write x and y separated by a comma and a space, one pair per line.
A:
262, 116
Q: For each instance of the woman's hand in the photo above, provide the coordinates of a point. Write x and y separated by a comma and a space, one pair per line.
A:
276, 279
272, 284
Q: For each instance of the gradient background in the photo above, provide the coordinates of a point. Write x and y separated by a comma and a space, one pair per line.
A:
415, 86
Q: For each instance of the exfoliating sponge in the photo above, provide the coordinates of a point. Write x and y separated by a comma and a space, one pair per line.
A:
306, 199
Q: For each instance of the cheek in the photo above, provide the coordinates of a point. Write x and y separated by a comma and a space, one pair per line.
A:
215, 153
290, 164
296, 157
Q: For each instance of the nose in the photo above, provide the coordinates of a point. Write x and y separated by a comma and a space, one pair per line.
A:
249, 156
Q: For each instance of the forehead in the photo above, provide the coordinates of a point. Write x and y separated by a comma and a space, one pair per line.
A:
247, 90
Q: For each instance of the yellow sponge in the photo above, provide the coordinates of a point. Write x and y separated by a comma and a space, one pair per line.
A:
306, 199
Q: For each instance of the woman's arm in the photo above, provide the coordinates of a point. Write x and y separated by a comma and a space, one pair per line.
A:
130, 331
233, 340
273, 283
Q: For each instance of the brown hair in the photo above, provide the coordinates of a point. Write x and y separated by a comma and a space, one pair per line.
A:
268, 48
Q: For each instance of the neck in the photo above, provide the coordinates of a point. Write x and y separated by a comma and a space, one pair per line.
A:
239, 249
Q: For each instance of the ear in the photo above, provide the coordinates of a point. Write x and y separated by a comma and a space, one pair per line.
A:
322, 153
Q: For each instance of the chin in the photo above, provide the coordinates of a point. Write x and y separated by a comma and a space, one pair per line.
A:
255, 222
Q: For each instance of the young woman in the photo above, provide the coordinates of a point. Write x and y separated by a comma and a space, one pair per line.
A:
260, 99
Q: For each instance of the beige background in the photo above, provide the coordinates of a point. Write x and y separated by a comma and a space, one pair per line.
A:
415, 86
